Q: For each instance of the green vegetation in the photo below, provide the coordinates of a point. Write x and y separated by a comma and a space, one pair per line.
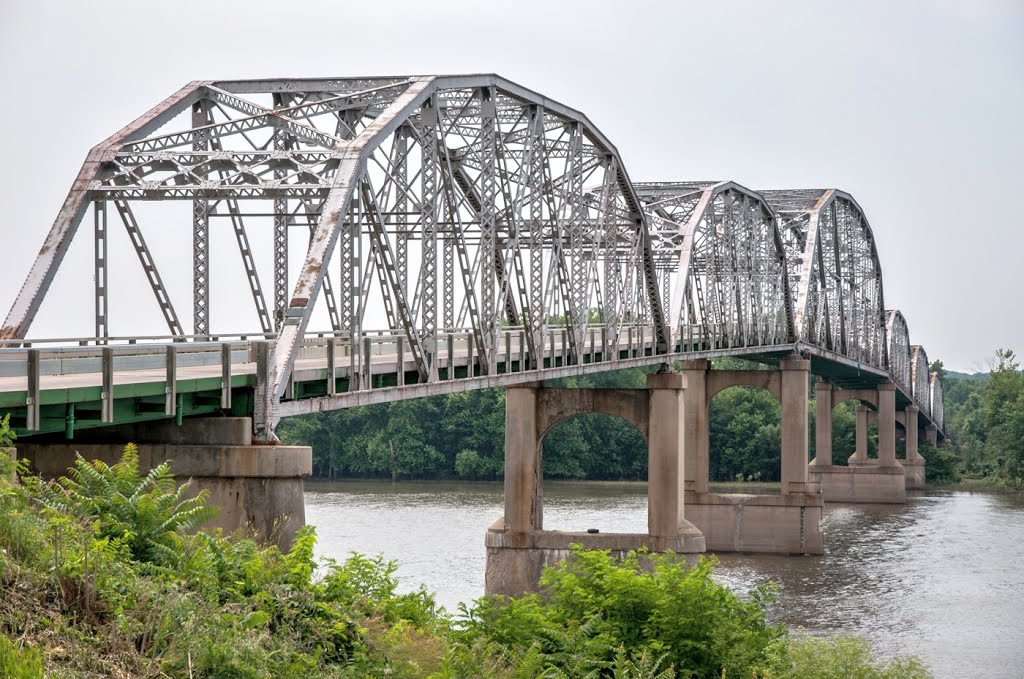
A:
462, 436
102, 575
985, 419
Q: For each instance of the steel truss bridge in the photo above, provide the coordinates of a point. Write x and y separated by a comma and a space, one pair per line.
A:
461, 232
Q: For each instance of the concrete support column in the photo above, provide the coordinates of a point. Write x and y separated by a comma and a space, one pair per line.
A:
887, 425
665, 455
822, 423
795, 376
523, 489
860, 452
911, 429
931, 435
697, 429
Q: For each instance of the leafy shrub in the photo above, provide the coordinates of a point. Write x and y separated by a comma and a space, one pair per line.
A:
942, 465
843, 657
594, 612
147, 513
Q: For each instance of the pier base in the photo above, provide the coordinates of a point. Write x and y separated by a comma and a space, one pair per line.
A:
869, 483
766, 524
515, 561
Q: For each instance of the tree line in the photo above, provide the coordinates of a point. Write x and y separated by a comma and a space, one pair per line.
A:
461, 436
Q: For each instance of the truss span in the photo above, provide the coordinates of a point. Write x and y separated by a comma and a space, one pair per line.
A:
899, 350
721, 263
834, 272
469, 224
446, 203
922, 380
935, 401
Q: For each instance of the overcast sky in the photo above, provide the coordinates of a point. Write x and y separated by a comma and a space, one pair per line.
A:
915, 108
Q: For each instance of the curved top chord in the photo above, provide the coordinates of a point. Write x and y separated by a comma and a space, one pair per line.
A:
835, 273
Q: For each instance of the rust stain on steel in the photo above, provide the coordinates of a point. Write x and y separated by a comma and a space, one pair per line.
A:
298, 302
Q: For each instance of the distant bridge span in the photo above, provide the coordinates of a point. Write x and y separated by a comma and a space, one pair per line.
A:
459, 232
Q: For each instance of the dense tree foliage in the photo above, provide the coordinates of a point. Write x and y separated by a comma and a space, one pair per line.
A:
462, 435
985, 418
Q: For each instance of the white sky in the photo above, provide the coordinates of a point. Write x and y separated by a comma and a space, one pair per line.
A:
915, 108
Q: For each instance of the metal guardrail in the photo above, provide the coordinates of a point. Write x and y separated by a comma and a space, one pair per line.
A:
375, 353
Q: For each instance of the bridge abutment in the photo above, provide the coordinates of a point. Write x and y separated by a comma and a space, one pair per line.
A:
256, 487
517, 545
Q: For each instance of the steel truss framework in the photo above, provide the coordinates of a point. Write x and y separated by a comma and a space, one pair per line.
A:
899, 350
935, 399
922, 380
834, 272
432, 205
721, 262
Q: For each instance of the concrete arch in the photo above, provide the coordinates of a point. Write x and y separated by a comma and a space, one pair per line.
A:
720, 380
721, 262
834, 272
921, 378
898, 336
559, 405
863, 396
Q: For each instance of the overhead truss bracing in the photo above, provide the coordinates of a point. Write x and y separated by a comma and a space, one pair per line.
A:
721, 263
436, 206
834, 272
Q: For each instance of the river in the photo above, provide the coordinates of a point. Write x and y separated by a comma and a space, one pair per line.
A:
941, 577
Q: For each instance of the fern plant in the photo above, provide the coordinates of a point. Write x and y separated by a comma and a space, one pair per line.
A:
148, 514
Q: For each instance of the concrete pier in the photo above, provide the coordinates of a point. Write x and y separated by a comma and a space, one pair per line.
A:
517, 545
786, 524
256, 487
864, 480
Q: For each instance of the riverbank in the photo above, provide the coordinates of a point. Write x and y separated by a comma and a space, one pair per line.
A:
104, 574
992, 486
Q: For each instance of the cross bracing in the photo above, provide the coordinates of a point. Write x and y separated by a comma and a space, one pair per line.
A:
447, 214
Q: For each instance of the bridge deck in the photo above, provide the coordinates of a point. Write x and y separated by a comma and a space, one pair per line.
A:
53, 389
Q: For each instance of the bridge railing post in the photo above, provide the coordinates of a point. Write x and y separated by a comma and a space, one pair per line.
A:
32, 422
170, 380
225, 376
107, 390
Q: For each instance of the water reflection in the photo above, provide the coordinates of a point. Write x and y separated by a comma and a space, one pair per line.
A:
938, 577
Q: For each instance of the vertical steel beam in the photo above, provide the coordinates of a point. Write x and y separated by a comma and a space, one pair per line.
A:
488, 229
281, 143
100, 268
535, 150
200, 233
428, 267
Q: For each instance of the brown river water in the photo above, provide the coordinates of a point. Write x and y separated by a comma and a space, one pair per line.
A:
941, 577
